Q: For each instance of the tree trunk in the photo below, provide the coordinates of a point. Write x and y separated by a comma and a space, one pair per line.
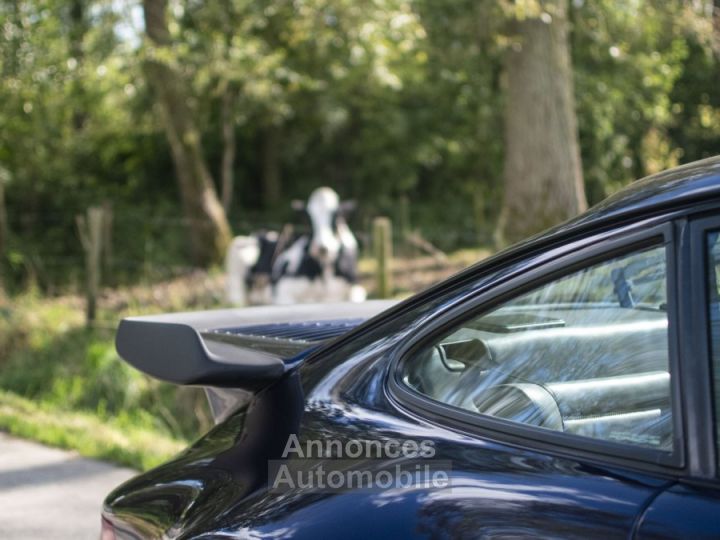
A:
208, 225
78, 29
3, 229
271, 166
228, 156
90, 229
542, 172
716, 27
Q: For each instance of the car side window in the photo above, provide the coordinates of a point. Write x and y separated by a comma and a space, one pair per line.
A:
586, 354
713, 258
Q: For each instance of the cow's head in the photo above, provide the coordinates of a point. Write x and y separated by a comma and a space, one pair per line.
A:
329, 229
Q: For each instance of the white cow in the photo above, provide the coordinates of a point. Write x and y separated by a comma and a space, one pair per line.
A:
267, 268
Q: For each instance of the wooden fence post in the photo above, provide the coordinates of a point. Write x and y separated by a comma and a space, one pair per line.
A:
107, 252
90, 229
382, 245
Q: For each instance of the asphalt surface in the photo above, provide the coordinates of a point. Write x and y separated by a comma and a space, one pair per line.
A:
47, 493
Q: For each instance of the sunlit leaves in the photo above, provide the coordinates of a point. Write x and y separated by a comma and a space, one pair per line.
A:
379, 98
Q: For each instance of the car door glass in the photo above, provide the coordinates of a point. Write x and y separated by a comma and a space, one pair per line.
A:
713, 259
585, 354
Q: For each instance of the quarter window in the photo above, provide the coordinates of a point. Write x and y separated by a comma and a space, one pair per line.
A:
585, 354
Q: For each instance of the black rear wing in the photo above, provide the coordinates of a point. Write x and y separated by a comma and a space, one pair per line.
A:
236, 348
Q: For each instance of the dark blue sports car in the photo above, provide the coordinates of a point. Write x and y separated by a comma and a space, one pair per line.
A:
568, 387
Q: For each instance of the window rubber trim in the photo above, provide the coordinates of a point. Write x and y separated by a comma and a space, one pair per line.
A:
597, 248
701, 418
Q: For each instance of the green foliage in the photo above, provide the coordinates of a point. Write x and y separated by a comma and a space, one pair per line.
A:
695, 124
385, 100
117, 440
627, 59
47, 355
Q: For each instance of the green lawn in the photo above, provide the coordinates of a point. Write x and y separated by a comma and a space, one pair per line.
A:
64, 385
88, 434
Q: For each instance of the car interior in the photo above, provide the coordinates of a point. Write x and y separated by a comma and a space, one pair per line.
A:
593, 368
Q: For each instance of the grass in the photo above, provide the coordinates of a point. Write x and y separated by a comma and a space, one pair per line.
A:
455, 261
63, 384
117, 441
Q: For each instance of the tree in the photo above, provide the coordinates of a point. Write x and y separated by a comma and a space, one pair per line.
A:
227, 175
3, 223
209, 229
384, 100
542, 171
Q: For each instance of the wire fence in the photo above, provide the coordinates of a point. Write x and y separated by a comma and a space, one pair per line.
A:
140, 250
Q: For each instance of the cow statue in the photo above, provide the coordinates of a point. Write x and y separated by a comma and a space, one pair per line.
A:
272, 268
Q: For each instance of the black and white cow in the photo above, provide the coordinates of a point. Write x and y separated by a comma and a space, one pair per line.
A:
272, 268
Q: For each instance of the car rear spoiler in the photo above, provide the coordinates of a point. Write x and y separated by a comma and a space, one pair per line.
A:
234, 348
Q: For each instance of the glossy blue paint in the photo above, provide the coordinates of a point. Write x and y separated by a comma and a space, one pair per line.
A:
218, 488
682, 512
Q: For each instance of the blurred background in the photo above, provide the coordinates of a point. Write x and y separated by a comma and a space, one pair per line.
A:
159, 129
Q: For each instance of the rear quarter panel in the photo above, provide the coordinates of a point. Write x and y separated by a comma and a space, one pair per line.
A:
219, 487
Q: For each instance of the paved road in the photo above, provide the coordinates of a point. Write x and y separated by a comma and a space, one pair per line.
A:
47, 493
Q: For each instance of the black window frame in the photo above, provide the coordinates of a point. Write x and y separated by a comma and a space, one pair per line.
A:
596, 249
699, 388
